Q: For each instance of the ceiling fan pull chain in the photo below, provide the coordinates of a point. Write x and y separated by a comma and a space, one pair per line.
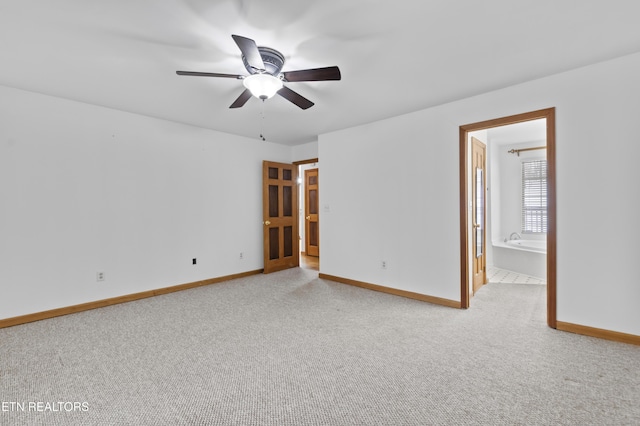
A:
262, 121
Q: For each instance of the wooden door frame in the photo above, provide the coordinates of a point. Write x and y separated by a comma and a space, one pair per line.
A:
300, 163
308, 215
309, 161
549, 115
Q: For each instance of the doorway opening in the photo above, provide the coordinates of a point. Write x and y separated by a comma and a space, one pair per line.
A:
309, 226
477, 234
517, 203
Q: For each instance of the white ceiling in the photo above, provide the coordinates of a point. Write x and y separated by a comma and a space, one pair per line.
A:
527, 131
395, 56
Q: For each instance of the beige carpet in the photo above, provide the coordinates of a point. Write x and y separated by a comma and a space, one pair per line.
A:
290, 349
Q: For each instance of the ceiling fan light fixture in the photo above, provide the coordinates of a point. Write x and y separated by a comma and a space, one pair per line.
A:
265, 79
262, 86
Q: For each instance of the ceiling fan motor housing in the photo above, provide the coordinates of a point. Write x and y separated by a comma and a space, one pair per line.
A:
273, 61
265, 79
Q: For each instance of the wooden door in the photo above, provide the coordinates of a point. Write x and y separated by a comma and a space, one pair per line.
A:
479, 212
312, 240
280, 216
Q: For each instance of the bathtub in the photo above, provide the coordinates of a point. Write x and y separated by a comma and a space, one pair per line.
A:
536, 246
527, 257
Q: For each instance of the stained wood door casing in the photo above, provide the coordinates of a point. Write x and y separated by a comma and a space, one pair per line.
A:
312, 223
280, 216
479, 212
549, 115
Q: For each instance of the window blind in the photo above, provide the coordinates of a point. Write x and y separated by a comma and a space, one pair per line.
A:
534, 196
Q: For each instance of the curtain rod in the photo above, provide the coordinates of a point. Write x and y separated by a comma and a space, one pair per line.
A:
517, 151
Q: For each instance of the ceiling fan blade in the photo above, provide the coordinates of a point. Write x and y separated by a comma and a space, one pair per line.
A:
242, 99
316, 74
209, 74
250, 51
295, 98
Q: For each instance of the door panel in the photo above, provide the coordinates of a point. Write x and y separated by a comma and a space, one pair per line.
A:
280, 216
312, 223
479, 213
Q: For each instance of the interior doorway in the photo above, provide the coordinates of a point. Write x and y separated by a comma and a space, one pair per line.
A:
467, 192
311, 222
309, 226
516, 208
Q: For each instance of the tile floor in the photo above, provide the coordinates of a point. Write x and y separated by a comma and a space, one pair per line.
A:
496, 275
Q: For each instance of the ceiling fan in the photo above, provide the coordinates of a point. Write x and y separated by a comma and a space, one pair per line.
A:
265, 79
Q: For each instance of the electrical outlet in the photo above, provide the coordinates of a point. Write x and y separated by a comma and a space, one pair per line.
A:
383, 264
241, 255
100, 276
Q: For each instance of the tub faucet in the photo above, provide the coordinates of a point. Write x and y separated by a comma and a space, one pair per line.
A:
517, 236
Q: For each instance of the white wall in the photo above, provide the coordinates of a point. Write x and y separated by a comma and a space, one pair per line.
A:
391, 191
383, 188
509, 186
494, 196
307, 151
87, 189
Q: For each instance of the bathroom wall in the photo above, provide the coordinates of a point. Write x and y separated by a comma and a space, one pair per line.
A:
506, 176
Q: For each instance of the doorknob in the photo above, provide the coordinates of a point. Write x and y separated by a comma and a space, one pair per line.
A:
475, 225
308, 217
267, 223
